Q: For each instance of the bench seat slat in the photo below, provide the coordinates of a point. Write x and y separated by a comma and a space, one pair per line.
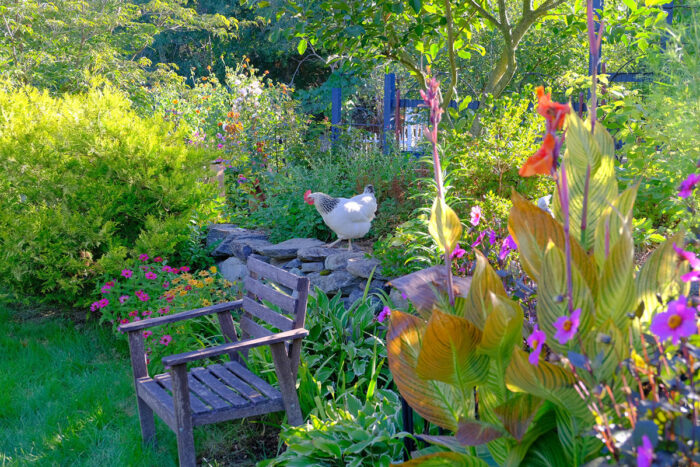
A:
246, 375
239, 385
228, 394
197, 405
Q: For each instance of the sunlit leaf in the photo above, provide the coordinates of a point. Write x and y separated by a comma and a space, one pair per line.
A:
612, 222
484, 282
444, 225
503, 329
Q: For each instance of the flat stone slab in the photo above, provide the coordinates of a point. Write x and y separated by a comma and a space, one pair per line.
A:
233, 269
340, 260
362, 267
240, 246
312, 267
289, 248
341, 281
221, 231
316, 253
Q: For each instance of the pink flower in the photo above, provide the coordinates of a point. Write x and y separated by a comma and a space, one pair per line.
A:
105, 289
147, 334
146, 313
123, 298
166, 284
688, 185
185, 269
164, 310
507, 246
166, 339
479, 239
691, 276
492, 237
169, 298
645, 453
134, 313
384, 314
220, 146
475, 215
457, 252
94, 306
151, 275
167, 268
124, 321
144, 297
567, 326
127, 273
679, 321
143, 257
102, 303
535, 341
688, 256
157, 259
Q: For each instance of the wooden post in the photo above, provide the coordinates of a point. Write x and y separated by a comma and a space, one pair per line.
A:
336, 105
140, 370
389, 96
597, 5
183, 416
229, 331
287, 384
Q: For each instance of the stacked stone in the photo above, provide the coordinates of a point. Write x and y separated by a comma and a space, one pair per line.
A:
332, 270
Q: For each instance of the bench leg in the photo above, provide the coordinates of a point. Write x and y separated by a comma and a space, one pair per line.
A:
287, 384
148, 426
183, 417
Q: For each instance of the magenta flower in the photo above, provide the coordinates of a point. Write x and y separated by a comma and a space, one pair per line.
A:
151, 275
167, 268
127, 273
384, 314
492, 237
134, 313
691, 276
164, 310
645, 453
507, 246
220, 146
688, 256
110, 284
105, 289
166, 284
94, 306
185, 269
475, 215
169, 298
535, 341
143, 257
146, 313
123, 298
458, 252
144, 297
567, 326
124, 321
147, 334
102, 303
478, 240
166, 339
157, 259
679, 321
688, 185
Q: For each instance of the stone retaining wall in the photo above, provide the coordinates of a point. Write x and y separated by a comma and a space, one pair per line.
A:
332, 270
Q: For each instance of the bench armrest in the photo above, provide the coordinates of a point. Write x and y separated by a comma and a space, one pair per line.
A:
186, 357
147, 323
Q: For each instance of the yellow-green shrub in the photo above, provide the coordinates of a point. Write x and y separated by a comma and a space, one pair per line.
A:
84, 177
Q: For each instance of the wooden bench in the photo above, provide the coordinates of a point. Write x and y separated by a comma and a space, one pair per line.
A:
228, 390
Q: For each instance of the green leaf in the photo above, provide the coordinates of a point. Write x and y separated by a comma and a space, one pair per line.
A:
631, 4
475, 433
446, 459
517, 413
444, 225
301, 48
449, 352
616, 288
415, 4
484, 282
612, 223
503, 329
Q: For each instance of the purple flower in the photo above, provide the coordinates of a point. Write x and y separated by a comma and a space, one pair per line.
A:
567, 326
220, 146
166, 339
143, 257
645, 453
492, 237
143, 297
457, 252
403, 295
151, 275
123, 298
127, 273
688, 256
94, 306
507, 246
691, 276
478, 240
688, 185
102, 303
384, 314
105, 289
535, 341
475, 215
679, 321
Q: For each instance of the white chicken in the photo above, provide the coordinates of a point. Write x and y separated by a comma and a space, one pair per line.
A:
348, 218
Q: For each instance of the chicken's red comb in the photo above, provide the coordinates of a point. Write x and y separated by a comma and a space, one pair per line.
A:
306, 197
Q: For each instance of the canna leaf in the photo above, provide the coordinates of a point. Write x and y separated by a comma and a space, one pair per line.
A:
444, 225
484, 282
435, 401
553, 297
532, 229
517, 414
446, 459
449, 352
502, 330
420, 287
616, 287
475, 433
612, 223
660, 275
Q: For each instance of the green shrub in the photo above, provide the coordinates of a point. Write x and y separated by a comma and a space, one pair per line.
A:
85, 180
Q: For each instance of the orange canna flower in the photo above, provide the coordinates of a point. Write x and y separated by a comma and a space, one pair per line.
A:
542, 161
554, 112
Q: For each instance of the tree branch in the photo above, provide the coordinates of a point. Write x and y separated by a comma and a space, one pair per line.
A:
484, 13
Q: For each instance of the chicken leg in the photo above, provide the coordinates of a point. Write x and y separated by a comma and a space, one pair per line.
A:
334, 243
349, 244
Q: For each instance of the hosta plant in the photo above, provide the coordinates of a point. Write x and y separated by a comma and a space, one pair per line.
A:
535, 389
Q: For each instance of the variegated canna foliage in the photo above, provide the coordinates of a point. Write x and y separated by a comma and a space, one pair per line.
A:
465, 367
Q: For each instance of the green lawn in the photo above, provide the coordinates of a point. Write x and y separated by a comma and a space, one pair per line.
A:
66, 398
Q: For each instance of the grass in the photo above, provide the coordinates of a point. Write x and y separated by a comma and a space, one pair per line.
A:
67, 398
